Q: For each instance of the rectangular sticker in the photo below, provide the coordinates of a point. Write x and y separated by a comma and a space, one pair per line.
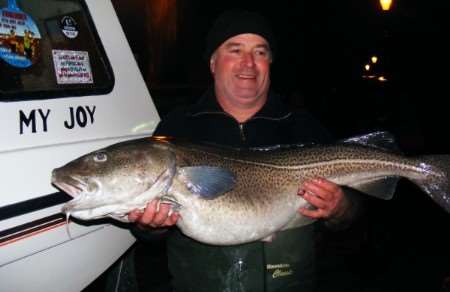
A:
72, 67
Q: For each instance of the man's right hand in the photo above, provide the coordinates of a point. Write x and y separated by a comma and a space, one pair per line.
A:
150, 217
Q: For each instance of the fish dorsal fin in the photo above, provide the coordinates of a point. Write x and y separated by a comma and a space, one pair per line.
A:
381, 187
209, 182
282, 147
266, 148
381, 140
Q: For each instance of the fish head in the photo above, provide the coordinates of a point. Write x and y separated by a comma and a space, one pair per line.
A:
108, 181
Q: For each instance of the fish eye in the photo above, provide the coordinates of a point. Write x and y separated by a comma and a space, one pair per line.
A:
100, 157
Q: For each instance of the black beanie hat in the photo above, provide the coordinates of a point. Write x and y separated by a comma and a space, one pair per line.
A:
233, 22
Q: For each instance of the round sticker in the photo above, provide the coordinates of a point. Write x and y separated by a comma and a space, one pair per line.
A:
19, 37
69, 27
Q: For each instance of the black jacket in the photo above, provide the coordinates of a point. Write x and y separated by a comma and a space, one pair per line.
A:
274, 124
287, 263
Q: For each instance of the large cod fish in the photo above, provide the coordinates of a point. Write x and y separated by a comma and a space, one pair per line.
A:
230, 196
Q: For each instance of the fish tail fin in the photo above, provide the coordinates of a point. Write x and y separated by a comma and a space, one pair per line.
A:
435, 182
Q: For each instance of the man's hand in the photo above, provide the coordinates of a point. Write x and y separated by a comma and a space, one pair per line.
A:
151, 217
326, 196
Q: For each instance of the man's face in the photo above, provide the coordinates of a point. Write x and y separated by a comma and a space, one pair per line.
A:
241, 68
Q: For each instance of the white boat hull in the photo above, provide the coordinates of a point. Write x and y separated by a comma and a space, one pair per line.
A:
37, 253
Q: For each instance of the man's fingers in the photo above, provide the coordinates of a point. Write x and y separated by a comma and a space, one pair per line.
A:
325, 184
325, 195
317, 189
161, 216
314, 200
149, 213
134, 215
154, 215
171, 220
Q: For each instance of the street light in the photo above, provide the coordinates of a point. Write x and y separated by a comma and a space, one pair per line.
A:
385, 4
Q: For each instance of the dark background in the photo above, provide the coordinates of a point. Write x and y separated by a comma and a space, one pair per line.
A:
324, 46
399, 245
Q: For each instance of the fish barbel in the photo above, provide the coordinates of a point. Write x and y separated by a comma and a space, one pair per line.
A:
230, 196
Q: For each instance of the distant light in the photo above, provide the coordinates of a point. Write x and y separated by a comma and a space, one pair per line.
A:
382, 79
367, 67
369, 76
374, 59
385, 4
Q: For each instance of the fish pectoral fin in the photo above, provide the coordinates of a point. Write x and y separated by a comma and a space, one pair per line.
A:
382, 187
208, 182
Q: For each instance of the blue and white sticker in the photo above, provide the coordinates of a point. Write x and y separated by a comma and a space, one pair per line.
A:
69, 27
72, 67
19, 37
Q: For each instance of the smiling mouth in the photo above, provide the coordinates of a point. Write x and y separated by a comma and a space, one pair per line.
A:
245, 76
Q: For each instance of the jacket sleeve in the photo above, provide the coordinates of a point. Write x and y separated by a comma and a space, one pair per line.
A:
354, 210
149, 234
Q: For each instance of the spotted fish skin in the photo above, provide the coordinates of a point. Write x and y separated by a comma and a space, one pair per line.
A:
230, 196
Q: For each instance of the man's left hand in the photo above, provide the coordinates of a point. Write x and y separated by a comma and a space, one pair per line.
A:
327, 197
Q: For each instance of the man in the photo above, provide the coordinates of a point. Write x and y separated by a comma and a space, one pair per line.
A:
241, 111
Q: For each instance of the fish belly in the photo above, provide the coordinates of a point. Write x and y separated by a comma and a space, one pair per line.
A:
218, 223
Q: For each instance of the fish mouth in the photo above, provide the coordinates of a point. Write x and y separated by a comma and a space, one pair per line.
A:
72, 185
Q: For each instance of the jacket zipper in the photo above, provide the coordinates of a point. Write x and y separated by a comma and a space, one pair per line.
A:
241, 125
241, 130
